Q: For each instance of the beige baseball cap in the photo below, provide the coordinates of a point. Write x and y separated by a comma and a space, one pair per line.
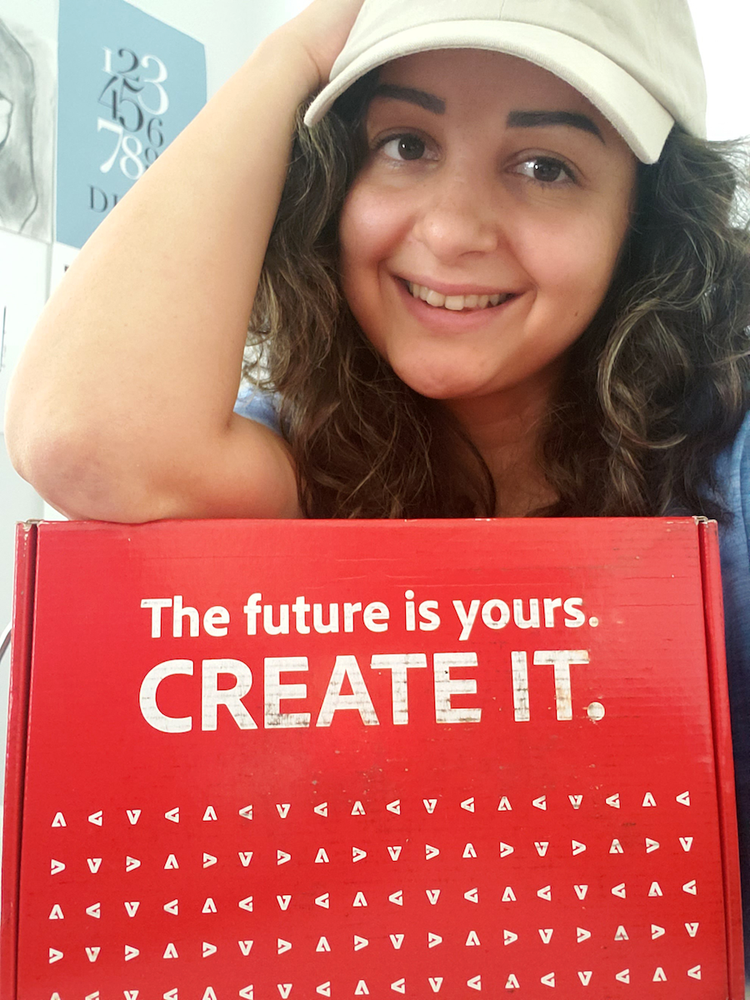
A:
637, 61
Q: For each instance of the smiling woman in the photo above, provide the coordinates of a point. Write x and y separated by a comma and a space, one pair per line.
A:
511, 199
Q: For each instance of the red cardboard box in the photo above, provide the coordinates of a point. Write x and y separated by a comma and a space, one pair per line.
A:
297, 759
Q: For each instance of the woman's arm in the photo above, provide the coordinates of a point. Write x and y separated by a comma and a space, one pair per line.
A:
121, 406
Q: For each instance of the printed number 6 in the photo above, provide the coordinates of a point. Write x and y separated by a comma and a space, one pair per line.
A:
157, 81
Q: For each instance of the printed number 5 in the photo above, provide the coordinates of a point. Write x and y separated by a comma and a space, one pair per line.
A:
132, 148
157, 81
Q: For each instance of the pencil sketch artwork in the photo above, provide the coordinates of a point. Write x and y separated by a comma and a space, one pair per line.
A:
27, 94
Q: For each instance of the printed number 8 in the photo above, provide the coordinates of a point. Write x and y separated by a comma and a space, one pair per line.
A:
133, 147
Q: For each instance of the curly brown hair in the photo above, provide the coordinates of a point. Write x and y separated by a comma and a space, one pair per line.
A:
655, 387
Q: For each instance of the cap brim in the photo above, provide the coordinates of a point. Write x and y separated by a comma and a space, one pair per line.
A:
639, 118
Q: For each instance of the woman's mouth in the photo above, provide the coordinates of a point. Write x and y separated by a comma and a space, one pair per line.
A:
456, 303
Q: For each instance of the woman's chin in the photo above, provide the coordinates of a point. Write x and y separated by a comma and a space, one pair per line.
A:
440, 385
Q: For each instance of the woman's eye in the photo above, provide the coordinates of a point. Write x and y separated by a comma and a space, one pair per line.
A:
404, 147
545, 170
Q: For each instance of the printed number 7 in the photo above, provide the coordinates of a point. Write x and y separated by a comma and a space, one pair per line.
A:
129, 153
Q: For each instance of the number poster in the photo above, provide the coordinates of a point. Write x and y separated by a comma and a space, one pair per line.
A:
263, 760
128, 84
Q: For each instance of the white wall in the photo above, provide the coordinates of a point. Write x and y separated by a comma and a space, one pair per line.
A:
723, 28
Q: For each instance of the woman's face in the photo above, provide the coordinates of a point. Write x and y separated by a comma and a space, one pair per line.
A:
496, 192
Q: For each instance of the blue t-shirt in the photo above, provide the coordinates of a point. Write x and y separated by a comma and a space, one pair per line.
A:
734, 478
733, 471
257, 405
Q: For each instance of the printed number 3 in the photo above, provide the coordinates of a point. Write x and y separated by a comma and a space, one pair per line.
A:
156, 82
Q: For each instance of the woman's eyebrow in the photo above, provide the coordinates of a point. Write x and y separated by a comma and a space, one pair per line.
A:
419, 97
534, 119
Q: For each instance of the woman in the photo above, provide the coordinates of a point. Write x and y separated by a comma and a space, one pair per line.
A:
505, 279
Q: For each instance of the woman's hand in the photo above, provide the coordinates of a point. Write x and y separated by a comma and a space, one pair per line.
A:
321, 30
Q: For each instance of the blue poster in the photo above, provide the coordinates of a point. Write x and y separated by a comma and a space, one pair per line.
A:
128, 84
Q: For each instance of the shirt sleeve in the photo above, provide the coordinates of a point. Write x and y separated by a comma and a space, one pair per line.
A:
255, 404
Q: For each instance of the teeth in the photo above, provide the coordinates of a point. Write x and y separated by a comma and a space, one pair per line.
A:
456, 303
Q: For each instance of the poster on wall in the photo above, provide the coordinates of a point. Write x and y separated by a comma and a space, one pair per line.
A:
127, 85
27, 95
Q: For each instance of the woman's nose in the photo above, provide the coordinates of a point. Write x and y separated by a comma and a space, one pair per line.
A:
459, 215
